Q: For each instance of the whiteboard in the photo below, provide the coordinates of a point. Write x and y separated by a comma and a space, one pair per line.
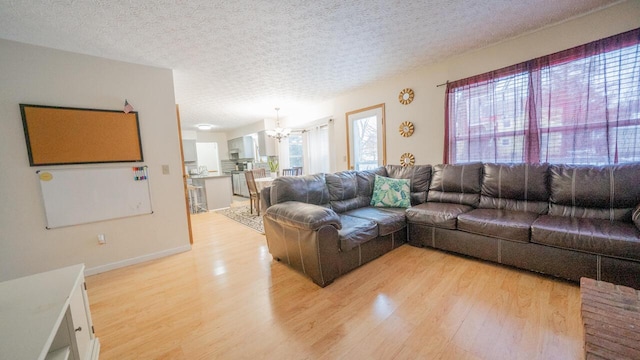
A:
79, 196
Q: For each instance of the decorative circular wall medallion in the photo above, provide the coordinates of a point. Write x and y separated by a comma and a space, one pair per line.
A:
407, 159
406, 96
406, 129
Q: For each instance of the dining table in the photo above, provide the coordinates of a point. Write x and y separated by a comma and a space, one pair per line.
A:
262, 183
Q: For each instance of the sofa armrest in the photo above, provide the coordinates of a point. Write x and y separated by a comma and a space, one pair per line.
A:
265, 199
302, 215
635, 216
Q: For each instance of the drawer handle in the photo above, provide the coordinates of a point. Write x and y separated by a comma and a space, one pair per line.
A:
79, 328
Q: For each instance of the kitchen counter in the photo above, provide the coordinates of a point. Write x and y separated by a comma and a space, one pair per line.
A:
208, 176
242, 172
217, 188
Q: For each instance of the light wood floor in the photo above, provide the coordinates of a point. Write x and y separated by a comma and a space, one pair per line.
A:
226, 299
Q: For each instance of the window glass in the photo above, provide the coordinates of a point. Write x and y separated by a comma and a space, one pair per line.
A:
578, 106
296, 158
366, 138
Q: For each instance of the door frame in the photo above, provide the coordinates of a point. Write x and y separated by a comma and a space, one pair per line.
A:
184, 176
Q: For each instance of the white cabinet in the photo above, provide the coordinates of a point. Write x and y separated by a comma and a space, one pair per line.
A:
46, 316
240, 184
249, 147
218, 191
241, 148
189, 150
80, 320
235, 148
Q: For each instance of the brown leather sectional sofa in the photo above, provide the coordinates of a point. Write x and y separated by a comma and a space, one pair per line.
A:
561, 220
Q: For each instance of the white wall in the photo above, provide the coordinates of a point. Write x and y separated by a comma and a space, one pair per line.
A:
218, 138
247, 129
36, 75
189, 135
427, 109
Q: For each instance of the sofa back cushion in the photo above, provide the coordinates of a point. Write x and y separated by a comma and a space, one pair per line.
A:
520, 187
351, 189
310, 189
419, 177
599, 192
457, 184
343, 191
366, 180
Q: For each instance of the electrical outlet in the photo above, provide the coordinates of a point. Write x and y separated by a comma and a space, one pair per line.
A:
102, 239
165, 169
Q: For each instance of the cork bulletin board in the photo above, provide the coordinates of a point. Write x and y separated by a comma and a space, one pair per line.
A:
62, 135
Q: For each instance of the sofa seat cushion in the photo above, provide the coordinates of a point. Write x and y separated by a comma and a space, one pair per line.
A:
388, 220
442, 215
355, 231
501, 224
598, 236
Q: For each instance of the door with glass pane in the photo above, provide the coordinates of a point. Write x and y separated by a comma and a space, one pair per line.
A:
366, 141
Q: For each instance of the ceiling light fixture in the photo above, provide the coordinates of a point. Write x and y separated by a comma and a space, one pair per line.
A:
205, 126
278, 133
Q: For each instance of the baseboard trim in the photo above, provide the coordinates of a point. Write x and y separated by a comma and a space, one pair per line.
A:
136, 260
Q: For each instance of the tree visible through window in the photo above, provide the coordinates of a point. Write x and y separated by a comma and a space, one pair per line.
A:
366, 138
366, 143
578, 106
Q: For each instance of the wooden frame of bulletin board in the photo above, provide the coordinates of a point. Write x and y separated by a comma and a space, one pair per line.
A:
64, 135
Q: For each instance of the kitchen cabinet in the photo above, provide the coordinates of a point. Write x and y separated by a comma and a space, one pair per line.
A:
241, 148
46, 316
266, 144
235, 183
234, 148
217, 190
239, 184
189, 150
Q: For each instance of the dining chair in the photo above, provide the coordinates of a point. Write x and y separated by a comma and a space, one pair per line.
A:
288, 172
254, 195
298, 170
259, 173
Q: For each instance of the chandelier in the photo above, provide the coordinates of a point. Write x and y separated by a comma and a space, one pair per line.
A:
278, 133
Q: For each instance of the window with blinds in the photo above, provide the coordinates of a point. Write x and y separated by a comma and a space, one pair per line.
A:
578, 106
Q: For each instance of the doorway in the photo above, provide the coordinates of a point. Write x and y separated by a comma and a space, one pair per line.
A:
366, 138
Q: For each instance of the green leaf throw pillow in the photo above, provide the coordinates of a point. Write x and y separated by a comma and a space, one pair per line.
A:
388, 192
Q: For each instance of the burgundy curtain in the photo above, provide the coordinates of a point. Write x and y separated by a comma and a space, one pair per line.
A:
578, 106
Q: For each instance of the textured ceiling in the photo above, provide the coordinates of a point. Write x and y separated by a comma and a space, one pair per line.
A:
235, 61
